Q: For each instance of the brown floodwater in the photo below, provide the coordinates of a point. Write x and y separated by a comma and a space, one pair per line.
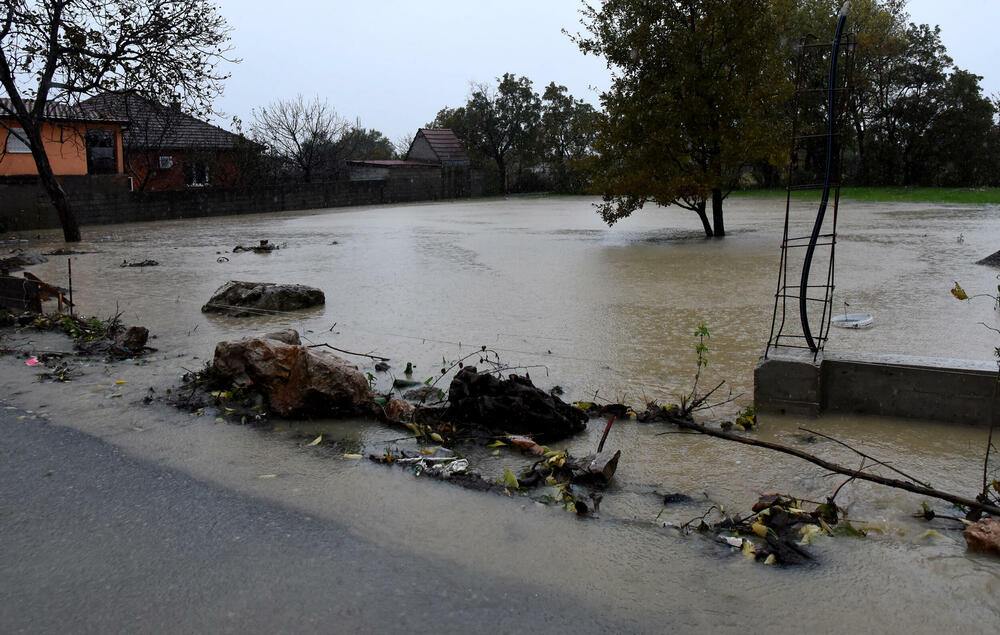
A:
605, 314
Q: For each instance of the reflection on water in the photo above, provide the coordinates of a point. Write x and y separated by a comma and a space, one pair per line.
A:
598, 311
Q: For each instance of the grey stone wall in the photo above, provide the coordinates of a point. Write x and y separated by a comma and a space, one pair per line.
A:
23, 205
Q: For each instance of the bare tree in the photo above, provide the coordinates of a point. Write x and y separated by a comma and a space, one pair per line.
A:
304, 135
402, 145
61, 50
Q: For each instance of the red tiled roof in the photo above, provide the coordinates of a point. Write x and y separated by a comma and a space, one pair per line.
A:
160, 127
445, 144
56, 111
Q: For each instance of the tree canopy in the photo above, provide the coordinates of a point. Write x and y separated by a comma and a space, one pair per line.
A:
61, 50
533, 141
694, 85
700, 97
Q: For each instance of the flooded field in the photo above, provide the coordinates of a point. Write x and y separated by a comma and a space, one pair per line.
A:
597, 311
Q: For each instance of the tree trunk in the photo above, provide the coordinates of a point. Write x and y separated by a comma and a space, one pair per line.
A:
704, 218
720, 226
71, 229
502, 166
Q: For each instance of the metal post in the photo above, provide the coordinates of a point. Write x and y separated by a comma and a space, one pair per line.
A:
69, 267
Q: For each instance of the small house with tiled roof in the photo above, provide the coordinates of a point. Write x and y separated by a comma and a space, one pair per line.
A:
439, 146
77, 141
167, 149
436, 166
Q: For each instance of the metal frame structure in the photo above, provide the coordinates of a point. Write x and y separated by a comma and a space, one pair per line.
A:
802, 292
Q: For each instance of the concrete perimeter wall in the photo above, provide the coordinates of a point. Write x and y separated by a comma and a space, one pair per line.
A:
105, 200
951, 390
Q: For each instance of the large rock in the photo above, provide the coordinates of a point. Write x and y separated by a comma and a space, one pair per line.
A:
295, 380
244, 299
133, 339
984, 536
511, 405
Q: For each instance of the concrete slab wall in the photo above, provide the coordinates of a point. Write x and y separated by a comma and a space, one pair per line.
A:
96, 201
951, 390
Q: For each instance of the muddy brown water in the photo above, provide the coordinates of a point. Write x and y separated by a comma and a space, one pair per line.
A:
594, 310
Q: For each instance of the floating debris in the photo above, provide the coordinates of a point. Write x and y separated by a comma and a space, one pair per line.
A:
265, 247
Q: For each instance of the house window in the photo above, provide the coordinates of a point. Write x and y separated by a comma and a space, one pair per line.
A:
14, 143
195, 174
101, 152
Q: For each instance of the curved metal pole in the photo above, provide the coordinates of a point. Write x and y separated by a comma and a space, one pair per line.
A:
807, 263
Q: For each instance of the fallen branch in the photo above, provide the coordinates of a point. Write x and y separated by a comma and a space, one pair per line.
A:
863, 455
971, 503
604, 437
340, 350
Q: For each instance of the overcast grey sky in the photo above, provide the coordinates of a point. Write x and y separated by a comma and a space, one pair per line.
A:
395, 63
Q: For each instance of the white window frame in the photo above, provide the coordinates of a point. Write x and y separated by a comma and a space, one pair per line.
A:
14, 143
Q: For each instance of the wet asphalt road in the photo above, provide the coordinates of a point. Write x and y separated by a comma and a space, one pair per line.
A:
94, 541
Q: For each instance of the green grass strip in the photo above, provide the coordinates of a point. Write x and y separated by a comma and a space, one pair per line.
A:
966, 195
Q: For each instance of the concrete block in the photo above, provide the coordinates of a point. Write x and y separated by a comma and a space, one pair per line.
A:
788, 381
950, 390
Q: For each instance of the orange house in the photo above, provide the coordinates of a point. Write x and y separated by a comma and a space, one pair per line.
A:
77, 141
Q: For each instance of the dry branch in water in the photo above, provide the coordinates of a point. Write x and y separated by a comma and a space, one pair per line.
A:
970, 503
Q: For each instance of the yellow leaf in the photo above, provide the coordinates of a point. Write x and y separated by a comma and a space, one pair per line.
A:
437, 437
496, 444
770, 559
748, 549
760, 529
268, 476
316, 441
810, 533
353, 456
495, 453
414, 429
510, 480
959, 292
121, 381
929, 533
427, 452
117, 394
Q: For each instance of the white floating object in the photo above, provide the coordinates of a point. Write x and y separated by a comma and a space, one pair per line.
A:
853, 320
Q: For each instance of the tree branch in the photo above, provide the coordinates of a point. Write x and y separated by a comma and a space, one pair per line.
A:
971, 503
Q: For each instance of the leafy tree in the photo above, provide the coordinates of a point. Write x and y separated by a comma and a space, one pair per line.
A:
694, 90
503, 124
880, 30
60, 50
961, 142
361, 143
569, 127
